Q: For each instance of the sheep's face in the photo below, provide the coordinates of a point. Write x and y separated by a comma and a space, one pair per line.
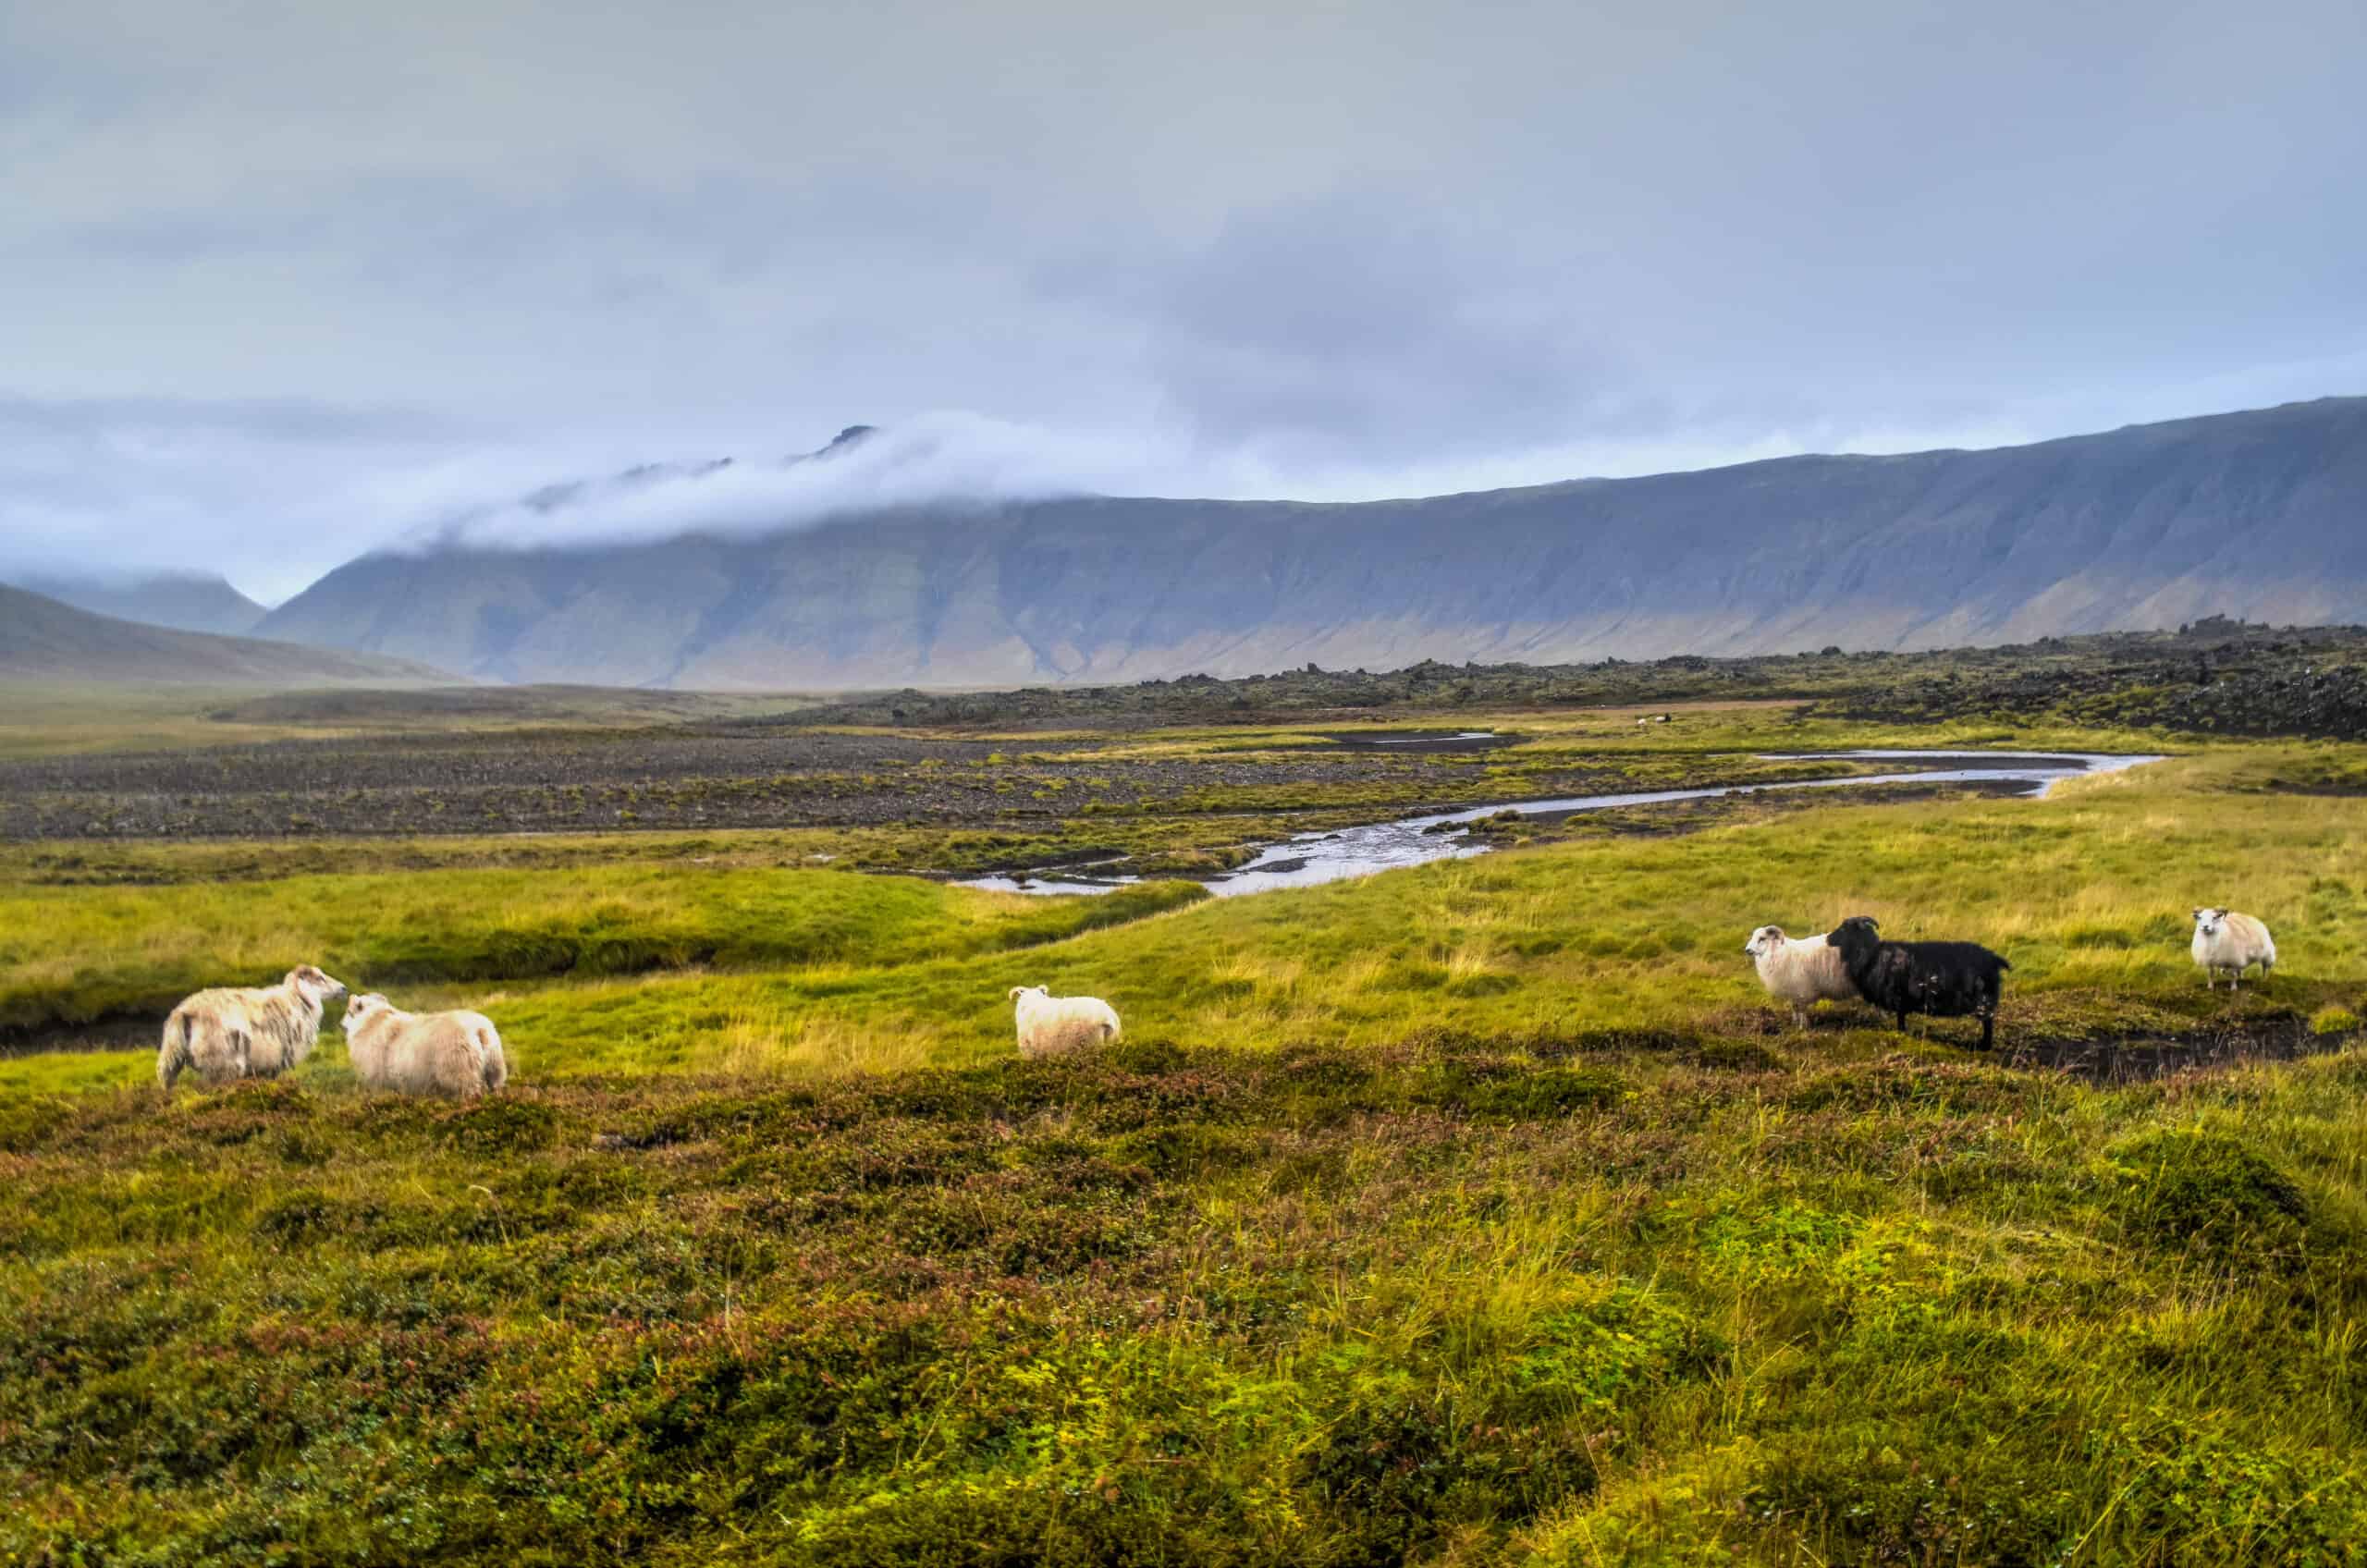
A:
1764, 940
316, 985
361, 1010
2210, 922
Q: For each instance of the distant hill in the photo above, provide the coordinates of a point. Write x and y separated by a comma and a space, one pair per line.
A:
42, 639
2262, 515
186, 602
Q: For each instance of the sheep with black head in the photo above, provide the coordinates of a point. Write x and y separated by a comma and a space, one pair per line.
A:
1944, 979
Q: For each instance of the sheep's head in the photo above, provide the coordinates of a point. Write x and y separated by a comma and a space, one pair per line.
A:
316, 985
1858, 930
361, 1010
2210, 922
1765, 940
1019, 991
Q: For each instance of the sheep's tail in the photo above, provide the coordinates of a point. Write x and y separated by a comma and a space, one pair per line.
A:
173, 1054
1110, 1032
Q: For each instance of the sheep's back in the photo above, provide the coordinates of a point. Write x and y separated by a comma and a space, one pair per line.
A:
2252, 939
1942, 978
1056, 1026
431, 1053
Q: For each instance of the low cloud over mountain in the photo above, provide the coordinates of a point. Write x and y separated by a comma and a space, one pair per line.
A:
2256, 514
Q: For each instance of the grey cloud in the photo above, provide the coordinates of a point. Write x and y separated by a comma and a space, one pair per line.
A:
1349, 326
269, 492
1227, 248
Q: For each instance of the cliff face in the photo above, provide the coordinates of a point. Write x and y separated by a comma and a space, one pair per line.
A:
2262, 515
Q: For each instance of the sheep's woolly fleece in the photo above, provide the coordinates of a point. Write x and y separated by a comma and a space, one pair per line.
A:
1801, 971
258, 1032
1050, 1026
2224, 940
451, 1055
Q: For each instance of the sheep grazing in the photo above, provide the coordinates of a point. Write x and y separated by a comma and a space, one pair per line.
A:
1944, 979
1050, 1026
2223, 939
257, 1032
455, 1055
1801, 971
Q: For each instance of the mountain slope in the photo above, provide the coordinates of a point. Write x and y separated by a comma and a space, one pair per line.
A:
185, 602
42, 639
2260, 514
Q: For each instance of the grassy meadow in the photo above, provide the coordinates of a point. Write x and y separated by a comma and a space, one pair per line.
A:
1478, 1213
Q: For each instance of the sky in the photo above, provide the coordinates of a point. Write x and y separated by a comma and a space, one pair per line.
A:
283, 283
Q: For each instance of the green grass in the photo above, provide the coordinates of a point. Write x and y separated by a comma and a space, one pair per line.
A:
76, 955
1441, 1301
2088, 894
1484, 1213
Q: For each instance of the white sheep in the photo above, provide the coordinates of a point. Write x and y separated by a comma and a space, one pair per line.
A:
1050, 1026
1799, 970
253, 1032
456, 1054
2223, 939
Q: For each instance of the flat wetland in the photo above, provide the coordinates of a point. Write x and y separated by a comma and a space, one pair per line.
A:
1481, 1212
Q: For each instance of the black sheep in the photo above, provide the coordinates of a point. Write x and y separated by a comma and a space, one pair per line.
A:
1944, 979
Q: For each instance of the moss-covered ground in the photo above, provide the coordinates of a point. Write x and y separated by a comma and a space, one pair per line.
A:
1481, 1213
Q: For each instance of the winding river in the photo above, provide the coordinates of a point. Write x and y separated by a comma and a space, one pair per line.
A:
1310, 858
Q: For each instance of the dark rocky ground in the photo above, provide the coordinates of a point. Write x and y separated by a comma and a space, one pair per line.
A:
2213, 677
2216, 678
701, 776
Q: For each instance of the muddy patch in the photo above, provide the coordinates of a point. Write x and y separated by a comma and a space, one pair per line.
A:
2142, 1057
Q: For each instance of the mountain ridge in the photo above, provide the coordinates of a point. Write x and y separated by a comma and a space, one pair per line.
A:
182, 601
2255, 514
46, 639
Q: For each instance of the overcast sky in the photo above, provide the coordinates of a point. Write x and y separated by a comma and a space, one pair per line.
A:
279, 283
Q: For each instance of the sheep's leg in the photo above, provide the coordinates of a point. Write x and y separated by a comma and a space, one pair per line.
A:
1988, 1030
1800, 1016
